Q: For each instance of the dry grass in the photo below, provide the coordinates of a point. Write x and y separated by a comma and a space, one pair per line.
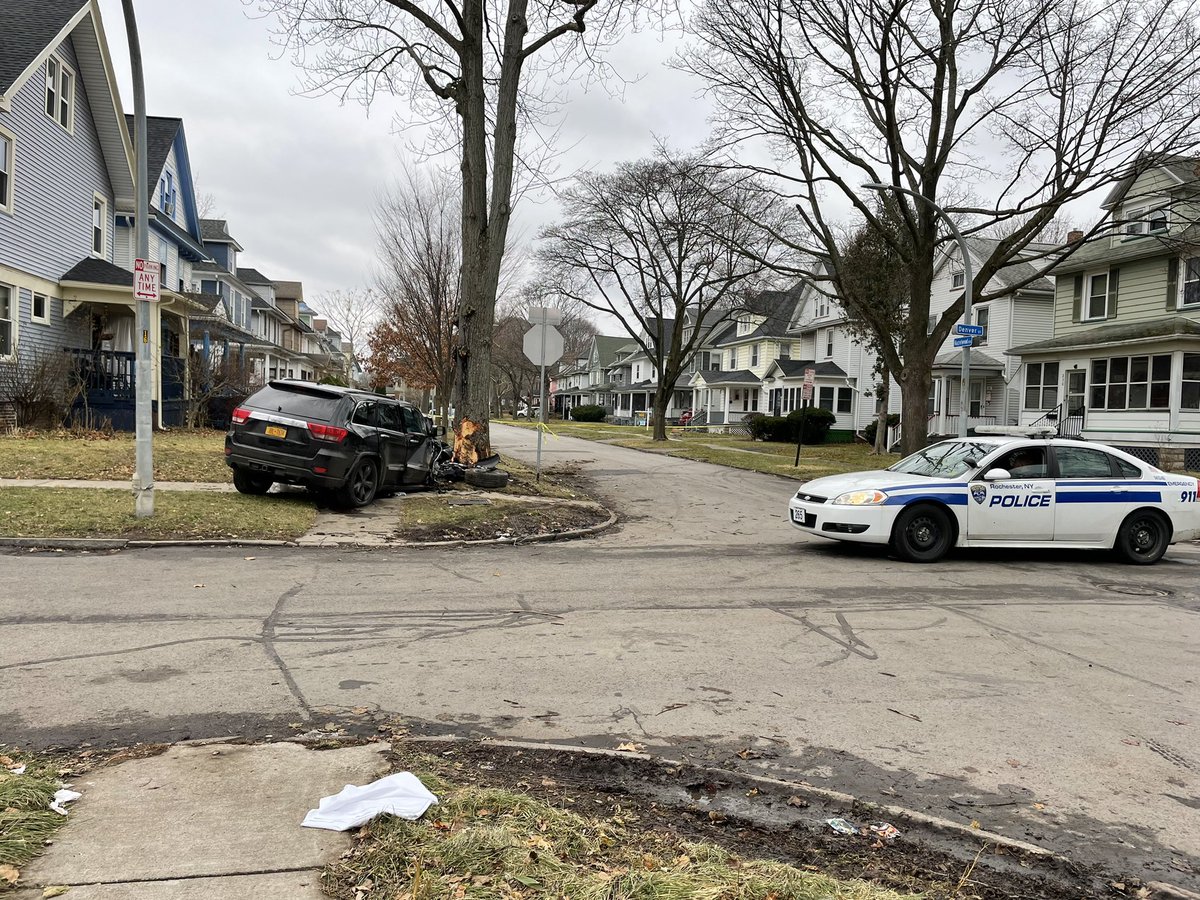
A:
87, 512
490, 843
178, 455
26, 821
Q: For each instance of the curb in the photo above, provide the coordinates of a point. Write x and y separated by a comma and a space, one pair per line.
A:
528, 539
128, 544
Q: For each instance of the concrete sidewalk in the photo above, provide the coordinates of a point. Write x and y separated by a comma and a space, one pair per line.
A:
212, 821
215, 486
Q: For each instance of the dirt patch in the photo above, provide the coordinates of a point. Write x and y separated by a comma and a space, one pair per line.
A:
456, 516
636, 790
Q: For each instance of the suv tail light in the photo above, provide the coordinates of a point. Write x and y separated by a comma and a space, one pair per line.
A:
330, 433
239, 416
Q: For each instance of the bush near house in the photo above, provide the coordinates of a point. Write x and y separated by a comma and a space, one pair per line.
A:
870, 431
588, 413
786, 430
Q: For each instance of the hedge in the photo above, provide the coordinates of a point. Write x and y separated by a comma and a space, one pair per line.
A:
588, 413
780, 429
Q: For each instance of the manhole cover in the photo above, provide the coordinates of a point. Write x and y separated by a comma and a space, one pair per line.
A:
1134, 590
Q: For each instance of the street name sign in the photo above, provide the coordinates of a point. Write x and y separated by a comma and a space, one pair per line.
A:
973, 330
966, 341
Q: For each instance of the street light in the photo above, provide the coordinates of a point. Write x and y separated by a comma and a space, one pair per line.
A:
143, 472
964, 396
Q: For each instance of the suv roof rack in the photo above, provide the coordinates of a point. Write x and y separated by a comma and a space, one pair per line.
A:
1031, 431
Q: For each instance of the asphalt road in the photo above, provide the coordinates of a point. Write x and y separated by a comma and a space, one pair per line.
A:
1051, 697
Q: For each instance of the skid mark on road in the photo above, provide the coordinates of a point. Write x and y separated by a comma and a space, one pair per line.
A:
846, 638
268, 641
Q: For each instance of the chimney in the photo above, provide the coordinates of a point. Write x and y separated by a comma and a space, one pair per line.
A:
1074, 236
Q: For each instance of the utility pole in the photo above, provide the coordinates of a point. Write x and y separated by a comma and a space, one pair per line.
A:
143, 472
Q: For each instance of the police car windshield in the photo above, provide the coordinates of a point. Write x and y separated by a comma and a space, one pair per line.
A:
949, 459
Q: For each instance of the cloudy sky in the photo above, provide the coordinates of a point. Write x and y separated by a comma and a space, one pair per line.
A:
297, 176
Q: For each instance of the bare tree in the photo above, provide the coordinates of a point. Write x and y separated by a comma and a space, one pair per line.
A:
352, 312
668, 246
206, 206
1065, 97
480, 67
417, 225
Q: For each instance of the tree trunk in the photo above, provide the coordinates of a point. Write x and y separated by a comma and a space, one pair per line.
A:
884, 396
662, 400
914, 409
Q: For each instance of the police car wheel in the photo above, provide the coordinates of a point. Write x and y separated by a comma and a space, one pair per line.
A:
1143, 538
922, 534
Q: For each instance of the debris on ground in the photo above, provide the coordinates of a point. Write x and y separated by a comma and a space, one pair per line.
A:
62, 797
401, 795
885, 830
841, 826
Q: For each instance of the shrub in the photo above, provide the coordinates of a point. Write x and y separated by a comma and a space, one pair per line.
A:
588, 413
871, 429
817, 422
769, 428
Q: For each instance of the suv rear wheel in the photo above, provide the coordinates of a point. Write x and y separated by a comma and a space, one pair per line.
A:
360, 486
249, 483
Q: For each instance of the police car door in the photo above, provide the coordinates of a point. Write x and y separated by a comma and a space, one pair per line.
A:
1090, 501
1019, 507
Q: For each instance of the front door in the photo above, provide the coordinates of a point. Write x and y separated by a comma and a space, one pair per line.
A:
1019, 507
1076, 391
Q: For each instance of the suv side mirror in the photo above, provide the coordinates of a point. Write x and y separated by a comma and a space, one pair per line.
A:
997, 475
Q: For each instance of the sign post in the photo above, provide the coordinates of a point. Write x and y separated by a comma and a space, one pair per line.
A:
543, 346
806, 394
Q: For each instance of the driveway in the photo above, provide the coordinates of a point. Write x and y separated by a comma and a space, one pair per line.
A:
1052, 697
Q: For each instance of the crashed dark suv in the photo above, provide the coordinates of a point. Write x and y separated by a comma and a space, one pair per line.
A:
345, 443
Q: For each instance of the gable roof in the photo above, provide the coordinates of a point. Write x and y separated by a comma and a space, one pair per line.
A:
216, 231
253, 276
1183, 169
30, 30
607, 346
160, 136
794, 368
775, 306
289, 290
98, 271
26, 29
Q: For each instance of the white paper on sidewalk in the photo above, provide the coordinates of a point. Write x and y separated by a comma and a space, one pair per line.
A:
400, 795
61, 798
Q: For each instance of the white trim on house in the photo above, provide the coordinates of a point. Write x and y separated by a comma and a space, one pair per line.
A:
44, 318
100, 228
8, 169
10, 317
60, 102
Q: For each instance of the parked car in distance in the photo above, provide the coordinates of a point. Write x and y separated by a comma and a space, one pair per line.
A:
1010, 490
348, 444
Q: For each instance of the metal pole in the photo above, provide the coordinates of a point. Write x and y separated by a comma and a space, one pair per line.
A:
542, 402
964, 396
143, 473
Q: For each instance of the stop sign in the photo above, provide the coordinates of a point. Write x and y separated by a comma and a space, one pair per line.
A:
543, 345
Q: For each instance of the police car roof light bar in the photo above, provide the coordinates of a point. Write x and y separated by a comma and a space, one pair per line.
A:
1041, 431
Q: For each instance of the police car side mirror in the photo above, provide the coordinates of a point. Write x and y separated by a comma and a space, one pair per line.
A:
997, 475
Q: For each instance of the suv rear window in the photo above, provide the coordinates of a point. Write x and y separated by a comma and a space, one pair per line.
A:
300, 403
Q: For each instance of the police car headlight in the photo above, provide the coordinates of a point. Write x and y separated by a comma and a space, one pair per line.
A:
860, 498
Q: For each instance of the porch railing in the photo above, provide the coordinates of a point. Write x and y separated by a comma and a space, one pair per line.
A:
1065, 421
972, 421
110, 372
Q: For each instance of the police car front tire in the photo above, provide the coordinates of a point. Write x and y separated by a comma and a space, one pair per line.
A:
1143, 537
922, 533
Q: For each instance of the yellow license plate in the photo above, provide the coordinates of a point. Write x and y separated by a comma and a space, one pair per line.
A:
275, 431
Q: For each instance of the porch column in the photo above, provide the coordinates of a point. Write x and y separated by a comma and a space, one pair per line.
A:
944, 406
726, 420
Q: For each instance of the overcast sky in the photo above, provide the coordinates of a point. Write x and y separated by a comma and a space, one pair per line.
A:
297, 176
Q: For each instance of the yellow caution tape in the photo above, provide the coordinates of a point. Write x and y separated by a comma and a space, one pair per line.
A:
543, 427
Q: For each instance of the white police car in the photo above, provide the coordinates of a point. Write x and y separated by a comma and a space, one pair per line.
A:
1006, 490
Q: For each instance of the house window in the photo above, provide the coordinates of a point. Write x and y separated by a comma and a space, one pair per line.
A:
1191, 381
6, 294
845, 400
1097, 298
822, 307
166, 194
164, 255
39, 310
99, 224
1132, 382
975, 400
1191, 282
932, 324
958, 280
1041, 385
732, 360
825, 398
982, 316
743, 326
1158, 220
753, 356
828, 343
60, 92
6, 172
835, 399
1135, 221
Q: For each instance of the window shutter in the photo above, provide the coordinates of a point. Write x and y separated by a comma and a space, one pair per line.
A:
1173, 283
1114, 279
1077, 302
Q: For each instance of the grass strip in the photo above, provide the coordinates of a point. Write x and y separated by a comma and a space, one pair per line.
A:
26, 820
180, 455
494, 843
181, 515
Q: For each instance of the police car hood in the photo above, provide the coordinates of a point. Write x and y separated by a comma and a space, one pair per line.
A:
877, 479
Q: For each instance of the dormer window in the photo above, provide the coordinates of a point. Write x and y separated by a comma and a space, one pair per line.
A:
958, 280
1157, 220
822, 306
60, 92
1134, 223
1144, 220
